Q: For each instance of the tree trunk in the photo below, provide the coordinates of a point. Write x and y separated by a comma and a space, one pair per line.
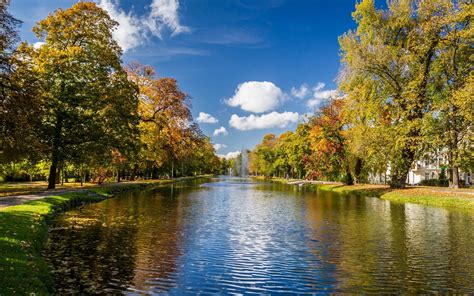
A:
82, 175
172, 169
349, 180
118, 175
62, 173
52, 170
55, 153
401, 166
358, 170
455, 175
134, 172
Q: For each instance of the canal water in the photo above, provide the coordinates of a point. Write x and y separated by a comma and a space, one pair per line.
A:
230, 235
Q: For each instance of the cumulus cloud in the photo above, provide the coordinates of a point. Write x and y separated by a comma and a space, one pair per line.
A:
206, 118
38, 44
229, 155
220, 131
133, 30
270, 120
129, 33
320, 96
317, 95
256, 96
164, 14
301, 92
218, 146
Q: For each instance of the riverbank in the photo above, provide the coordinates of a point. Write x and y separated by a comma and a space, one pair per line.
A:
430, 196
24, 228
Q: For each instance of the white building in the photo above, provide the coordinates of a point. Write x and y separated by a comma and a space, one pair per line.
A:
427, 169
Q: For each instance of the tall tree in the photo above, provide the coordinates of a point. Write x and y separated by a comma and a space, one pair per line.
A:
451, 125
165, 118
90, 103
19, 101
262, 158
396, 49
329, 156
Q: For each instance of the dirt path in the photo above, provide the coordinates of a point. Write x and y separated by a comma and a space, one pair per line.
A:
13, 200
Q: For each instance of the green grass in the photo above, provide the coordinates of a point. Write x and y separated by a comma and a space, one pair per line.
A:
459, 199
431, 196
24, 229
430, 199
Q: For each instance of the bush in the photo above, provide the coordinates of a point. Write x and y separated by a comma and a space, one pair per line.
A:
20, 176
435, 182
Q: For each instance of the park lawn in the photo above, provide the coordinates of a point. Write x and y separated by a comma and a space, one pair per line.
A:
430, 196
25, 188
21, 188
462, 198
24, 229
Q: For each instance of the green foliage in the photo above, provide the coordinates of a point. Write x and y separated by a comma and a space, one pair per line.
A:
23, 230
400, 67
435, 182
90, 105
72, 105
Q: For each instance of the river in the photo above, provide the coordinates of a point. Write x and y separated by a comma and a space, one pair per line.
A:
230, 235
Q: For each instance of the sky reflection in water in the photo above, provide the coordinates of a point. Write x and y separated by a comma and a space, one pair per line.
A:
235, 235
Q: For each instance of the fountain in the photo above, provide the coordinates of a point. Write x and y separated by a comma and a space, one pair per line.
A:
244, 163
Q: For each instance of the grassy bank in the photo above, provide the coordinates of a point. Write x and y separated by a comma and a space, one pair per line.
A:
430, 196
24, 228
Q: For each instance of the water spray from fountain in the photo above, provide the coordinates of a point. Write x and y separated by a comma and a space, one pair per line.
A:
244, 163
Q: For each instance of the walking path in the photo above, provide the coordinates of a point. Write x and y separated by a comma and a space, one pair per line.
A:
13, 200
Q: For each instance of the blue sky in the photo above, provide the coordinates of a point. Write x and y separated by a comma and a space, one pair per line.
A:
284, 55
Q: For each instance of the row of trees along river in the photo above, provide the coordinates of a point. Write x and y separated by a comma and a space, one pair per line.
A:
406, 85
70, 107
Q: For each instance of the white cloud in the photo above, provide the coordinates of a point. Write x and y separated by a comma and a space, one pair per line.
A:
302, 92
134, 30
38, 44
229, 155
218, 146
270, 120
256, 96
319, 86
206, 118
164, 14
220, 131
320, 96
129, 33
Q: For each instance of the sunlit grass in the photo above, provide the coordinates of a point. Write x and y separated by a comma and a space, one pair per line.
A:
431, 196
23, 231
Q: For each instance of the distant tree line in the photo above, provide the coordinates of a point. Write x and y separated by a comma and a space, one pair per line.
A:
69, 108
407, 91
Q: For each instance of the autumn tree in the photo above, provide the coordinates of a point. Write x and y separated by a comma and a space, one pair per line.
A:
90, 103
328, 158
297, 149
450, 127
170, 139
262, 158
20, 110
396, 48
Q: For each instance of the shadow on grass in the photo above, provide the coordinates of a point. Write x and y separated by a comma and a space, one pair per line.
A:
358, 190
23, 230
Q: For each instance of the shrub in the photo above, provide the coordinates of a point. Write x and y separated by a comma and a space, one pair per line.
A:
435, 182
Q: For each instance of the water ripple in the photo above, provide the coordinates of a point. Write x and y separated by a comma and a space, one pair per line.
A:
233, 236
